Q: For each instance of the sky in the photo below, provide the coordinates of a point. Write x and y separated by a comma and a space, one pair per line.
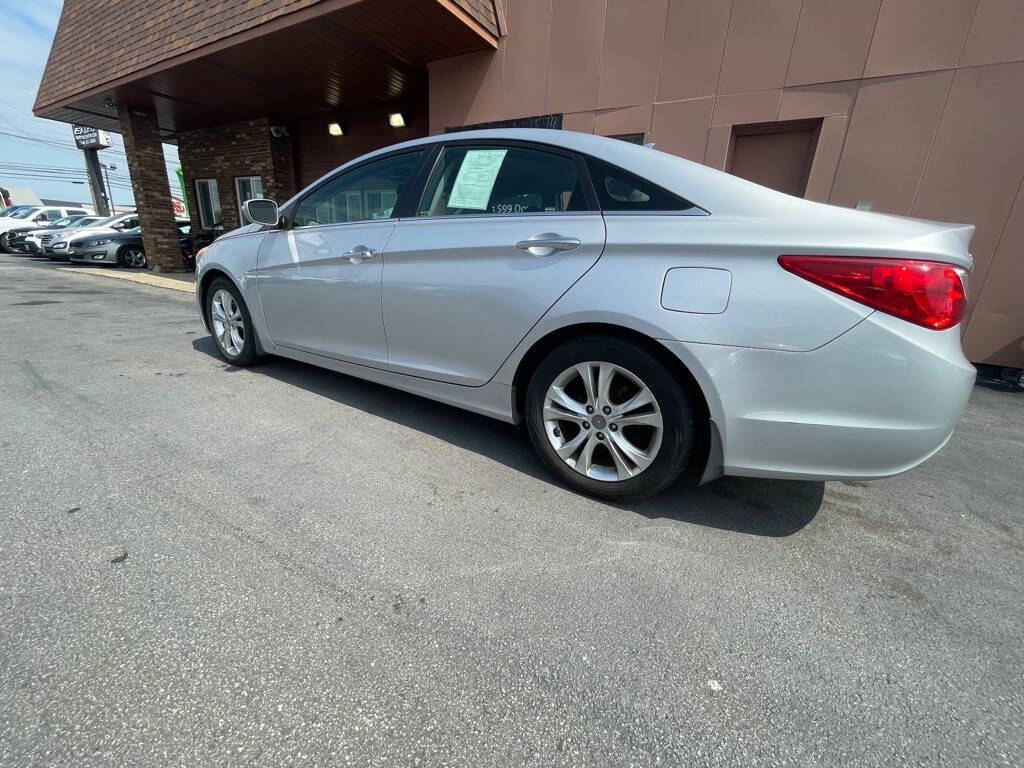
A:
41, 154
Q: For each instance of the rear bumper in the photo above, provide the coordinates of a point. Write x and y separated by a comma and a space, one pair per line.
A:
876, 401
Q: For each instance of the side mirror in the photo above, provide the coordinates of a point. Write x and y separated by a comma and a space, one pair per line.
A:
262, 211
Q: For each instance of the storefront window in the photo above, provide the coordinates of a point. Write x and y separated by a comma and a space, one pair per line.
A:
210, 215
247, 188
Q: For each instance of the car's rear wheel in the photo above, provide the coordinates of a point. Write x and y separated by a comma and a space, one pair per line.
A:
609, 418
230, 323
132, 256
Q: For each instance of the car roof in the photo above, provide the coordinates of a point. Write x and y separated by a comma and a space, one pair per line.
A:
713, 190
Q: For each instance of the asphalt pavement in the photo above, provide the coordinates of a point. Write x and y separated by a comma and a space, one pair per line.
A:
205, 565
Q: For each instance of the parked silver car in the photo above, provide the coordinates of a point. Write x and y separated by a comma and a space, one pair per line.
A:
121, 248
638, 311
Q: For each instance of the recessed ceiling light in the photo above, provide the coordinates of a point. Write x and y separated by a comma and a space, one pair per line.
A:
335, 129
397, 120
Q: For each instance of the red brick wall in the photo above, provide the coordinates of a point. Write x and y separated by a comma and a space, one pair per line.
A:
152, 192
228, 151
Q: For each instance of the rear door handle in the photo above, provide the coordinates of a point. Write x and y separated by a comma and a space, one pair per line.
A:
548, 243
359, 254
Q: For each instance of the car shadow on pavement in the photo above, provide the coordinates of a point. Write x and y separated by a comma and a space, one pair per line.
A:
753, 506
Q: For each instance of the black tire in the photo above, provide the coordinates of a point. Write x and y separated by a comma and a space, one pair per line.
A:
677, 413
122, 256
249, 354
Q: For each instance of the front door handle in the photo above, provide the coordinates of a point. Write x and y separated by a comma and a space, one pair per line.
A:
359, 254
548, 243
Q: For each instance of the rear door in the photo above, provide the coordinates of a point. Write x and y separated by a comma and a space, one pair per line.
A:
501, 231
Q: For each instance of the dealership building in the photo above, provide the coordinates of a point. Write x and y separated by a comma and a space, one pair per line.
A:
912, 107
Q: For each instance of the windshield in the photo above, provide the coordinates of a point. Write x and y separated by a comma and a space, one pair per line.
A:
24, 213
60, 223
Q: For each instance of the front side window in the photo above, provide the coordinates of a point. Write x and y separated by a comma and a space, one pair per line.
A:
501, 180
366, 193
210, 215
619, 190
247, 188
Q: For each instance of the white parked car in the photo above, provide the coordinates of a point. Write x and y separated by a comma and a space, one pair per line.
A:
639, 312
39, 214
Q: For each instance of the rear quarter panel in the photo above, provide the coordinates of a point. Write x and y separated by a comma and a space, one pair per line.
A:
767, 307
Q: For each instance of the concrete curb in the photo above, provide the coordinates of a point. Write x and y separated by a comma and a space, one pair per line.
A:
135, 277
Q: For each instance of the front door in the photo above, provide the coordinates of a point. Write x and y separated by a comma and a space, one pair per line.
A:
319, 279
501, 232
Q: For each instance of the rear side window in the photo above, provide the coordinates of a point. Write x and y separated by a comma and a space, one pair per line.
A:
619, 190
501, 180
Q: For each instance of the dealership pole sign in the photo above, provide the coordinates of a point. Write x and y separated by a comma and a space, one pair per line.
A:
87, 137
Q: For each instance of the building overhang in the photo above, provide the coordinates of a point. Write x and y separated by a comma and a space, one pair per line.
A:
333, 57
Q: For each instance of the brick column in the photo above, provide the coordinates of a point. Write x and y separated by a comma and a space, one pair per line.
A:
145, 154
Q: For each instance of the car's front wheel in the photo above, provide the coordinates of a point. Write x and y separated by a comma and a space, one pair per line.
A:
609, 418
230, 323
132, 256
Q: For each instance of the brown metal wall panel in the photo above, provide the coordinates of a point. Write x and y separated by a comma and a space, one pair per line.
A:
574, 55
631, 52
918, 36
758, 45
977, 160
832, 40
997, 33
691, 58
526, 54
470, 90
890, 132
826, 158
818, 100
740, 108
681, 127
996, 329
621, 122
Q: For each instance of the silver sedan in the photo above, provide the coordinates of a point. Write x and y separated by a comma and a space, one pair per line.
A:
639, 312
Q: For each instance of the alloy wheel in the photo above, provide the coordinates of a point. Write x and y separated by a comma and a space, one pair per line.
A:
603, 421
134, 257
228, 325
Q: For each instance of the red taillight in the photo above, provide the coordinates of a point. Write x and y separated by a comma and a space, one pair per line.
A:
924, 292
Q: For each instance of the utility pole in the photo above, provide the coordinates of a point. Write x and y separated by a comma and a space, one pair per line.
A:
99, 195
110, 190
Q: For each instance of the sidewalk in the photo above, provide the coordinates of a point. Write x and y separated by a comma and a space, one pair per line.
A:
176, 281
